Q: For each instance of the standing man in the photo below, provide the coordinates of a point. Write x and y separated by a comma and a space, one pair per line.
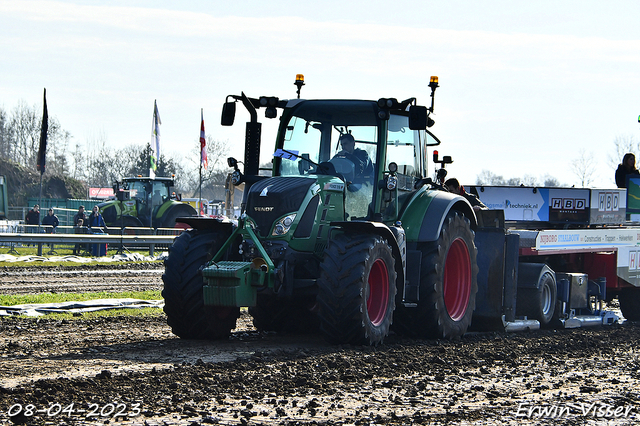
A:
33, 218
80, 219
51, 222
96, 220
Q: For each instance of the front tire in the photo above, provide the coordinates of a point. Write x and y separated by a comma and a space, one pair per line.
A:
356, 289
187, 315
448, 285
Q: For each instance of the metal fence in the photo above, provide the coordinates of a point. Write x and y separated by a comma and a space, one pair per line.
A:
15, 234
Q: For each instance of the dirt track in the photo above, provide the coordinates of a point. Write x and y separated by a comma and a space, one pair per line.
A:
115, 368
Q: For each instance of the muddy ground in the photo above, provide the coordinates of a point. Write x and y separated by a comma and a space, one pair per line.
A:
133, 371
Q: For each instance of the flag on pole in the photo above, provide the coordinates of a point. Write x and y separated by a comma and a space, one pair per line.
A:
155, 142
203, 143
42, 151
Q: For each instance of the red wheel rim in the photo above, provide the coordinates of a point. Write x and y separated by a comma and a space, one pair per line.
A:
378, 296
457, 280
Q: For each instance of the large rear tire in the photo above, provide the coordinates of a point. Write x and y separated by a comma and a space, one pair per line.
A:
356, 289
187, 315
448, 285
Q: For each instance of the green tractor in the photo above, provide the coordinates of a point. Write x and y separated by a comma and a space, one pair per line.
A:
144, 202
348, 236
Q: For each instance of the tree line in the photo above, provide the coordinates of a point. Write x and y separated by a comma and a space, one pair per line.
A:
97, 164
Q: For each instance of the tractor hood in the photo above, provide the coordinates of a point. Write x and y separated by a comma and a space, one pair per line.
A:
272, 198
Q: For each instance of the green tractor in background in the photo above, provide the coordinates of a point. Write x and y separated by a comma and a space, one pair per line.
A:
348, 240
144, 202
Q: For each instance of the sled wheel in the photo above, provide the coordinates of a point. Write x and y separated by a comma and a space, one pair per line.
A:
356, 289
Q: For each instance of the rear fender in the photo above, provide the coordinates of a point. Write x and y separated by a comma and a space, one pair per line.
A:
208, 223
424, 216
382, 230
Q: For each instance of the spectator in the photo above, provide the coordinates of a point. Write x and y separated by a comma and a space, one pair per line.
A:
51, 222
33, 218
454, 186
96, 220
80, 227
80, 219
626, 168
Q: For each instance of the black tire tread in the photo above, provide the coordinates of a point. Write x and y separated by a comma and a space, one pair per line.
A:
184, 304
341, 299
430, 319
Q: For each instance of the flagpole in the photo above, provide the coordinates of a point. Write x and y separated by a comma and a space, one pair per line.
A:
200, 199
42, 151
200, 211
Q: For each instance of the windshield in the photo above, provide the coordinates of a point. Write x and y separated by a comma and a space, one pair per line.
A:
343, 137
142, 190
316, 132
404, 147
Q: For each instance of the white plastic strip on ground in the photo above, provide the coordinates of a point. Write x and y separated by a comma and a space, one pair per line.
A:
129, 257
38, 309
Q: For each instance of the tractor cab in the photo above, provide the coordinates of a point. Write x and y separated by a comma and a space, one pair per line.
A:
144, 202
147, 195
359, 141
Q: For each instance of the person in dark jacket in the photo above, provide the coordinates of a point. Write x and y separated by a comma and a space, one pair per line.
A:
95, 219
33, 218
80, 219
80, 227
454, 186
51, 222
357, 156
626, 168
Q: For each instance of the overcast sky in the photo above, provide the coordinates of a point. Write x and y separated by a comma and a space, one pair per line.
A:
525, 86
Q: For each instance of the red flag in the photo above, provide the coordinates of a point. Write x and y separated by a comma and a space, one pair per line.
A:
203, 143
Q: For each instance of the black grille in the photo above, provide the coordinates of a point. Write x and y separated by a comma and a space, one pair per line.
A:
271, 198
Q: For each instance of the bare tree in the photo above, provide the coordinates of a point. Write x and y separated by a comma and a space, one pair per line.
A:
623, 144
487, 177
584, 168
5, 135
550, 181
25, 124
188, 179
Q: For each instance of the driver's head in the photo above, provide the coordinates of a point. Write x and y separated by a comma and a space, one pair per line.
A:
347, 142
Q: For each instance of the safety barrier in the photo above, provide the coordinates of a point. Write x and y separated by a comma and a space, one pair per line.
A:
127, 237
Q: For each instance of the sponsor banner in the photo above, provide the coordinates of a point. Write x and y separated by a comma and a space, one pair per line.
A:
570, 205
587, 238
101, 192
608, 206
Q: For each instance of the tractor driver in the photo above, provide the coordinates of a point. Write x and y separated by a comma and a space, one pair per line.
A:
357, 156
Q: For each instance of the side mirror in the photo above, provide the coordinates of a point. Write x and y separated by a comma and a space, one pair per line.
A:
418, 117
228, 113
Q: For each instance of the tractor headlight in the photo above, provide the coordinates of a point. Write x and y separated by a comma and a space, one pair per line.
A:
283, 225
